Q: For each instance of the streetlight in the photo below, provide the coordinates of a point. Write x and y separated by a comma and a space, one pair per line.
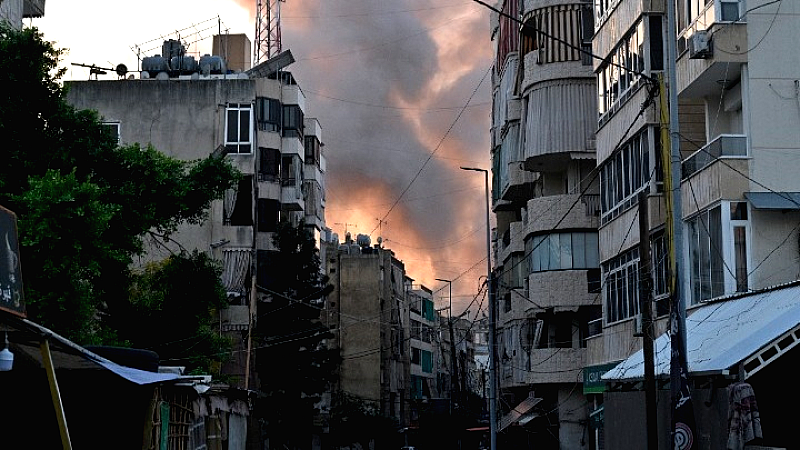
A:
454, 387
492, 344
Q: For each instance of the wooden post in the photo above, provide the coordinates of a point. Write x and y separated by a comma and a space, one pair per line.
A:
645, 308
47, 358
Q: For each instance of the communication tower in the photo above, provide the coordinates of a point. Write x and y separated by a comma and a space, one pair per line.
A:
268, 30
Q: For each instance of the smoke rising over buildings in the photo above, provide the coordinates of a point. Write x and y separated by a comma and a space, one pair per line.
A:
388, 80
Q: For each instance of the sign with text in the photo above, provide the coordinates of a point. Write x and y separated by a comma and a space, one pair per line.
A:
11, 296
592, 383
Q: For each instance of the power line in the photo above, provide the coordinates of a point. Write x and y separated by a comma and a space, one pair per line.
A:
441, 141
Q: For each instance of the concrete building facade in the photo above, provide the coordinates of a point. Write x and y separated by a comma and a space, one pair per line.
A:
546, 205
253, 116
736, 87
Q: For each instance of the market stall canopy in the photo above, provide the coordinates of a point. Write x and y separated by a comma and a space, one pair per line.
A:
754, 329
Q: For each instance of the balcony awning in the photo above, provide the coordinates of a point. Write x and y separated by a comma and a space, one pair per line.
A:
520, 413
774, 200
755, 328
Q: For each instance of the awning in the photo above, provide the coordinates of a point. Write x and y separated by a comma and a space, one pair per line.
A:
774, 200
26, 337
520, 412
755, 328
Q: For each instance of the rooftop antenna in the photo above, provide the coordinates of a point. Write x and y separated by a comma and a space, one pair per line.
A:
346, 225
268, 30
121, 70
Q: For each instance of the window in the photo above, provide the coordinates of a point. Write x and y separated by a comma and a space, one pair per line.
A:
718, 251
238, 204
269, 164
621, 276
291, 170
562, 251
416, 329
561, 33
624, 174
268, 114
415, 355
113, 129
293, 121
238, 132
427, 309
705, 252
621, 73
426, 361
268, 215
312, 146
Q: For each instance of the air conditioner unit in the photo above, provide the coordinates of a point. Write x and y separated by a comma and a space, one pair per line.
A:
699, 45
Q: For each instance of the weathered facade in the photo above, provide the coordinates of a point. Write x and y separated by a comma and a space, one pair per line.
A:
737, 127
546, 205
256, 118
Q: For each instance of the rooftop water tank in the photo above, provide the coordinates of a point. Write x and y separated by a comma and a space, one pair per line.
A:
211, 65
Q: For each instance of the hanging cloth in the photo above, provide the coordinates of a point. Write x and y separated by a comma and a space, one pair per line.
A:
744, 423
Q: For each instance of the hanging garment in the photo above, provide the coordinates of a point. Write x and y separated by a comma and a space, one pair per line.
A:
744, 423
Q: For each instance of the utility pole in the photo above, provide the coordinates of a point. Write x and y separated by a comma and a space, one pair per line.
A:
454, 385
492, 320
645, 308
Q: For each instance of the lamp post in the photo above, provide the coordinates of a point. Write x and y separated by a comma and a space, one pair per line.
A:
492, 344
454, 387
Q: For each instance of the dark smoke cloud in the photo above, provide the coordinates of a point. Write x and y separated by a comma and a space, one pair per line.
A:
376, 75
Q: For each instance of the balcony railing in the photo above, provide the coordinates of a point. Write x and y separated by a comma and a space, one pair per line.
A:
725, 145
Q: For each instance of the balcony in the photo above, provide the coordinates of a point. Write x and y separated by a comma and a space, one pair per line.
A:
520, 183
545, 212
292, 196
548, 365
725, 145
711, 49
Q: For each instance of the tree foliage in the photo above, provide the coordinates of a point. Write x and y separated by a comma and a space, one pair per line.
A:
293, 364
85, 205
174, 297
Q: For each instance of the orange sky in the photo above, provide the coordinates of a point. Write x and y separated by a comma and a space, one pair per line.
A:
386, 80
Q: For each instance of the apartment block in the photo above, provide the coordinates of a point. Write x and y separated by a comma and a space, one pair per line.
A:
546, 204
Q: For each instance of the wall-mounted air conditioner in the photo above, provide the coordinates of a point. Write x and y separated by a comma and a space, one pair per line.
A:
699, 45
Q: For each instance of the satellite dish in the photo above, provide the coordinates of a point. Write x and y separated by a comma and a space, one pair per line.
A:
121, 70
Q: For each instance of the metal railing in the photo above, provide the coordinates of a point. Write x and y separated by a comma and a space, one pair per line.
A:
724, 145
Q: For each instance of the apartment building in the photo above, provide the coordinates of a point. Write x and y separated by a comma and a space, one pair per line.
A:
12, 12
189, 109
546, 205
369, 314
738, 119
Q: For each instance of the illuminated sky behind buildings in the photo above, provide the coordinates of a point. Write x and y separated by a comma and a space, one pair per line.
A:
402, 90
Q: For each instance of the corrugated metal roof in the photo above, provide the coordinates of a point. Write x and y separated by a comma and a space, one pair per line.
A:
774, 200
721, 334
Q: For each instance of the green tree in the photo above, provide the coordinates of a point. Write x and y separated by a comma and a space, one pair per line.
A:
174, 297
293, 364
85, 205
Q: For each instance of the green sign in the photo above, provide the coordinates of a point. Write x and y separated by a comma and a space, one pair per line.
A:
592, 382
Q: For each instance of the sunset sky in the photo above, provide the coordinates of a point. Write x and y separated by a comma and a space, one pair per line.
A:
387, 81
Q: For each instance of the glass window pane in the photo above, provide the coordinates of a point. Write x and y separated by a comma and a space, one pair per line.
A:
592, 251
233, 126
740, 251
555, 252
566, 250
579, 251
244, 125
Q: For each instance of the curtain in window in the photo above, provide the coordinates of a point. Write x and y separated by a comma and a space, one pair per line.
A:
228, 204
235, 266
